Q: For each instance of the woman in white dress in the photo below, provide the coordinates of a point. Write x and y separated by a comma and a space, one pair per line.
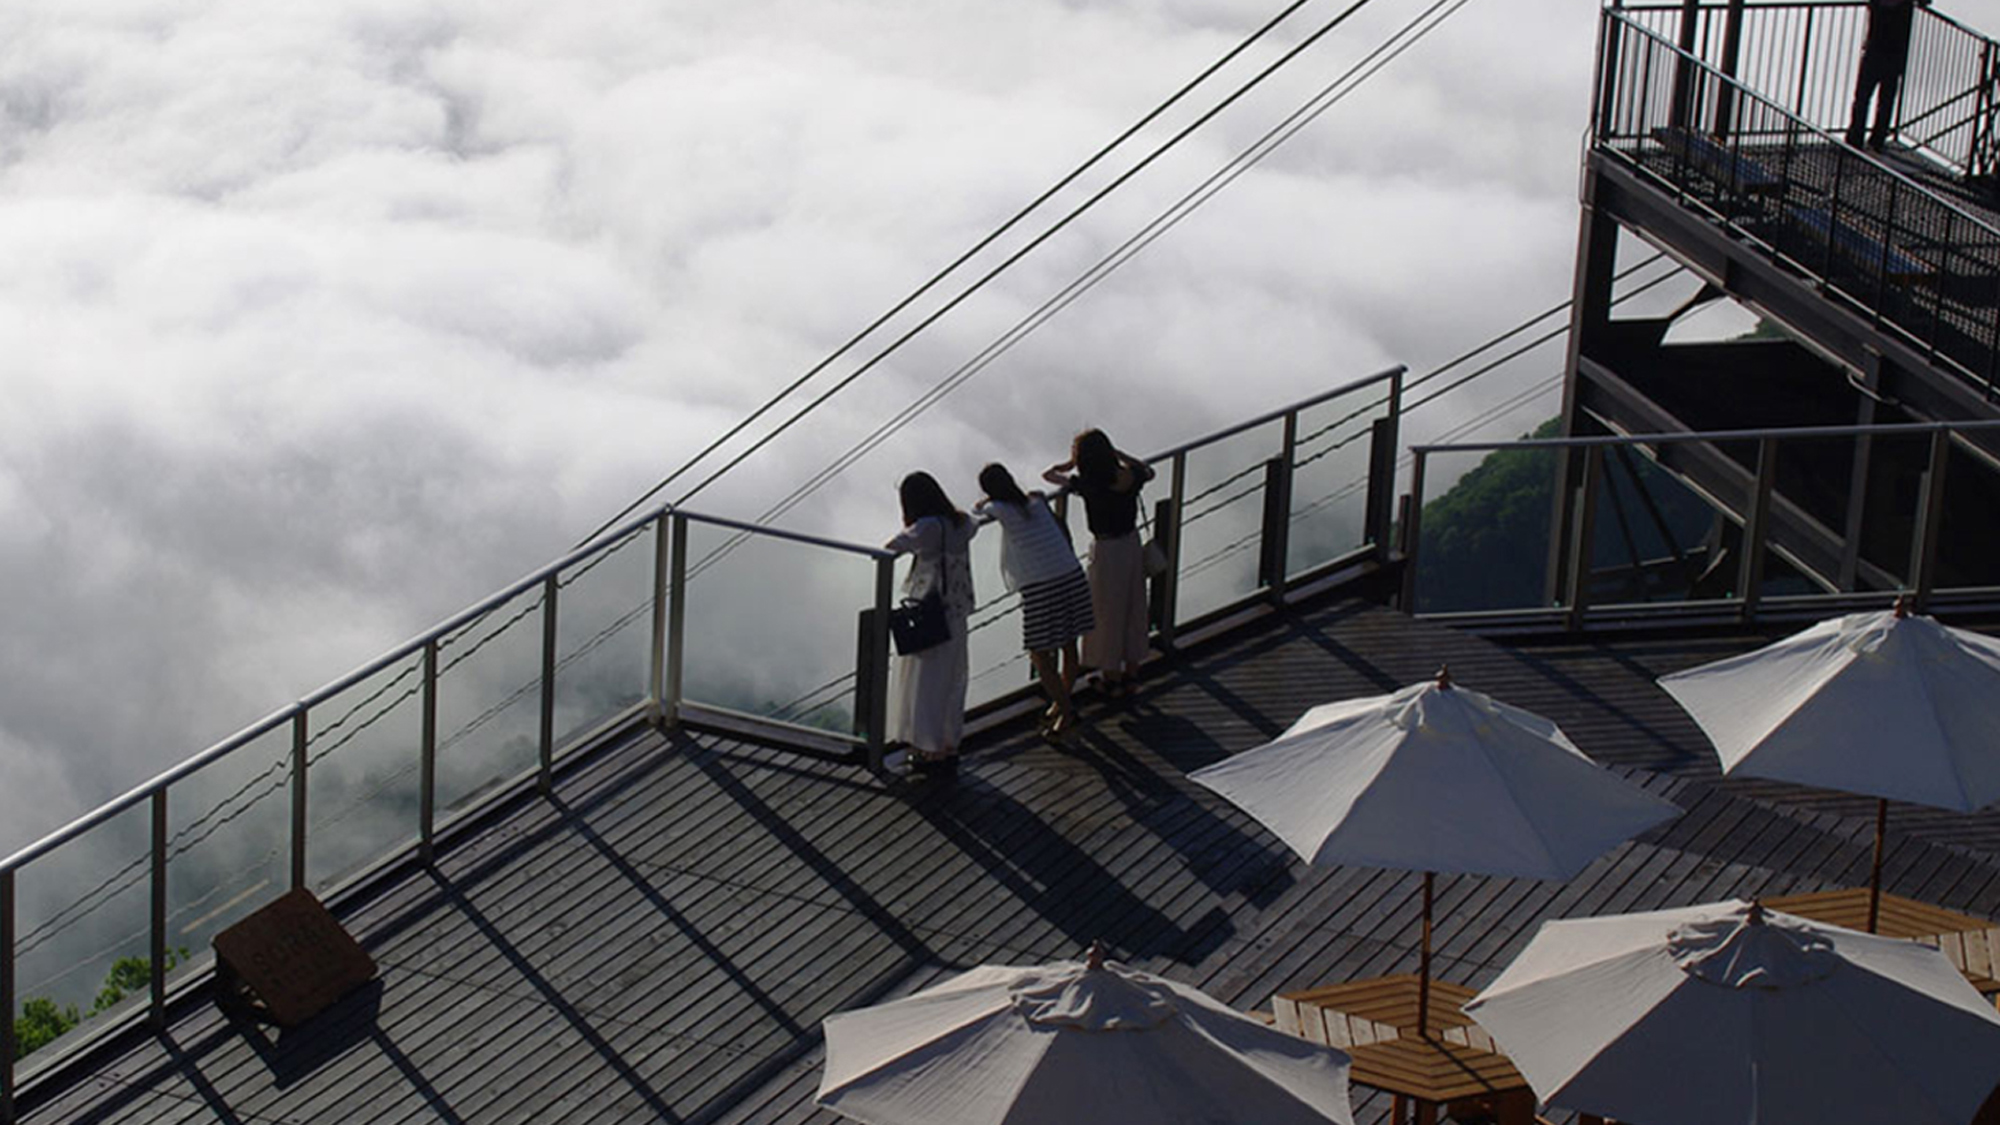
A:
928, 713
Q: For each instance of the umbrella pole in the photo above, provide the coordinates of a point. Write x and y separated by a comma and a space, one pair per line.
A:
1424, 966
1875, 871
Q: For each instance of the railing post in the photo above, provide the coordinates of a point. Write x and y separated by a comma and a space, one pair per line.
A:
1383, 434
156, 1010
301, 763
1805, 63
546, 742
1275, 542
876, 674
1583, 539
427, 757
1756, 528
1167, 525
1881, 298
1381, 486
8, 1003
1732, 49
677, 573
1857, 493
1610, 35
656, 677
1923, 552
1679, 110
1413, 519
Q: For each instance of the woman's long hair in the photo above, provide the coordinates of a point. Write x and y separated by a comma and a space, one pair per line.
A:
1096, 459
923, 496
999, 484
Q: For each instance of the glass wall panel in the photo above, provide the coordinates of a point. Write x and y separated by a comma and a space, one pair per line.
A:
363, 785
79, 912
604, 631
1485, 530
773, 625
489, 708
998, 664
1221, 519
1657, 539
1330, 477
229, 833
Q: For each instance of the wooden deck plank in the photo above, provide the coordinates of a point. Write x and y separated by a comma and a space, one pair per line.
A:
652, 972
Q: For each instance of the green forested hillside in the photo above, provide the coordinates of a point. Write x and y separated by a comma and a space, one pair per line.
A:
1484, 544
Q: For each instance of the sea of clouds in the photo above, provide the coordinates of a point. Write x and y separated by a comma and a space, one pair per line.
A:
320, 321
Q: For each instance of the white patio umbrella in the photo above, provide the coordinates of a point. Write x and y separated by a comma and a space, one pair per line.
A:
1092, 1043
1435, 778
1885, 704
1727, 1012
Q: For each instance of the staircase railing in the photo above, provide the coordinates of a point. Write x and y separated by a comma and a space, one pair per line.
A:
1915, 262
1804, 57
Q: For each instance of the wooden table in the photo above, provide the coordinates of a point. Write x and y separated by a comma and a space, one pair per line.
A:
1972, 945
1456, 1065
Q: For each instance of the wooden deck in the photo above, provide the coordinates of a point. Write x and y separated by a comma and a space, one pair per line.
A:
659, 940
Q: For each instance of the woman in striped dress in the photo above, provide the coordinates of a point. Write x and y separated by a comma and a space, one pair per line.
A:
1037, 560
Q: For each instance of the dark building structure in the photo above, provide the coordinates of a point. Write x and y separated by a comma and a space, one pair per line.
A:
1717, 137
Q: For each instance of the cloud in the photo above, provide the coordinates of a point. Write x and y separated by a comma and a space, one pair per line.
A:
323, 321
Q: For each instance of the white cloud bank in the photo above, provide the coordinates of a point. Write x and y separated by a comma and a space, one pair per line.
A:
321, 320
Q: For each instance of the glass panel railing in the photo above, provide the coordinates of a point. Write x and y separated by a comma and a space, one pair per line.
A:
998, 665
1966, 559
489, 699
1657, 540
773, 625
604, 634
229, 833
80, 913
1222, 516
1743, 517
1483, 530
362, 783
1330, 477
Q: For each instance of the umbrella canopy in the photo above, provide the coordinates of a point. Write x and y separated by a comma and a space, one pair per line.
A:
1881, 704
1728, 1013
1073, 1042
1436, 778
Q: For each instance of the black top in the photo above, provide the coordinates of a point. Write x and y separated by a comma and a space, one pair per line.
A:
1889, 26
1109, 512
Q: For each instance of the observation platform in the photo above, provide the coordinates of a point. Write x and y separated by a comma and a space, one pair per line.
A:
659, 938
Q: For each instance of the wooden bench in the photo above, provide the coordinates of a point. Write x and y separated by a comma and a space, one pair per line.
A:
1862, 248
1972, 945
1734, 171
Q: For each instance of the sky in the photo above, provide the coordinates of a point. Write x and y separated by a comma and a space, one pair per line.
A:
322, 321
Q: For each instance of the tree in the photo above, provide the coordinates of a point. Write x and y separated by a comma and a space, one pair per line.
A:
42, 1021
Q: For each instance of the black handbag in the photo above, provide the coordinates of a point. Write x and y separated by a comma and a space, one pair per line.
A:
919, 624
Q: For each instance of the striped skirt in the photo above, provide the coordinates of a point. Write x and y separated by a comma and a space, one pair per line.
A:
1055, 612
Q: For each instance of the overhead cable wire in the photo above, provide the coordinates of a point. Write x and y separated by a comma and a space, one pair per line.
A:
799, 706
1096, 197
1319, 103
916, 294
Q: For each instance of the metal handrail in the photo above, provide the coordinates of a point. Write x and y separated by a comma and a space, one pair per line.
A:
767, 531
144, 791
664, 682
1266, 419
1802, 125
1951, 62
1677, 436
